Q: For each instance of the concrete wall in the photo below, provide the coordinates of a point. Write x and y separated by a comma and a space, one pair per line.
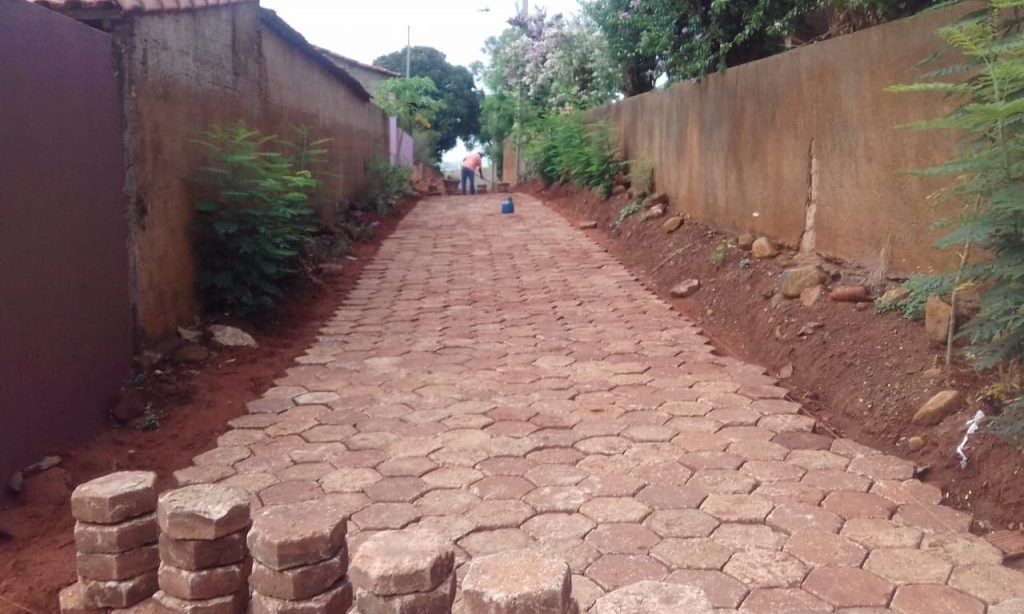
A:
752, 148
184, 71
65, 323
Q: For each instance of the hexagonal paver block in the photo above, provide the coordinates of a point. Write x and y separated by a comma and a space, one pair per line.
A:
694, 553
517, 581
848, 505
202, 511
297, 583
556, 498
287, 536
615, 509
401, 562
845, 587
722, 591
407, 466
499, 514
556, 475
722, 482
115, 497
396, 490
203, 584
873, 533
937, 518
654, 598
681, 523
117, 566
934, 599
962, 549
115, 538
712, 460
501, 487
202, 554
381, 516
665, 496
824, 549
623, 538
989, 583
349, 480
883, 467
738, 508
908, 566
558, 526
338, 599
793, 517
446, 502
482, 543
613, 571
766, 569
777, 600
746, 536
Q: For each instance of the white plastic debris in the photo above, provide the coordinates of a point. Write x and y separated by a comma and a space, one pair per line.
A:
972, 427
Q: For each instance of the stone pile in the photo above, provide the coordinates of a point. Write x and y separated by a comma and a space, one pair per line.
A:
300, 560
204, 563
404, 572
518, 582
115, 538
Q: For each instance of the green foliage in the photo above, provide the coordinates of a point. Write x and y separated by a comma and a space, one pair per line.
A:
460, 116
562, 148
718, 256
918, 288
631, 209
254, 219
387, 184
425, 145
415, 101
987, 171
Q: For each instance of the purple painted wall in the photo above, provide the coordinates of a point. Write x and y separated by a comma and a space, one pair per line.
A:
65, 320
403, 156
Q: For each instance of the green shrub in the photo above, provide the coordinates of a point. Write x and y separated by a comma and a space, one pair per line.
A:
632, 208
562, 148
387, 184
919, 288
254, 219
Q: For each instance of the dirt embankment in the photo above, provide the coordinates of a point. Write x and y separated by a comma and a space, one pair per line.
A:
193, 402
863, 374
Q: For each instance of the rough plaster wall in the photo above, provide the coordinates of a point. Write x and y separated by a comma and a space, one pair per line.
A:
301, 92
739, 144
185, 71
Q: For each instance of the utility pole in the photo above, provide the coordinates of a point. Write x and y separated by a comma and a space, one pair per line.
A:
408, 50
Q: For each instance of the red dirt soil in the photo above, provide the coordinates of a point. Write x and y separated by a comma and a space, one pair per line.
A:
37, 554
860, 373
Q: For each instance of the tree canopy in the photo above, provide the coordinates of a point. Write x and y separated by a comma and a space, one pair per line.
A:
460, 117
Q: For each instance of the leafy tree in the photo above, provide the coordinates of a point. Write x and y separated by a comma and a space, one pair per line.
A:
638, 68
460, 117
414, 101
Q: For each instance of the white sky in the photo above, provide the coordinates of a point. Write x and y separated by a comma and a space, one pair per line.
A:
367, 29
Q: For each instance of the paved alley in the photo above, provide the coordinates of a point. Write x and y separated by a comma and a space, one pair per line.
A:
504, 381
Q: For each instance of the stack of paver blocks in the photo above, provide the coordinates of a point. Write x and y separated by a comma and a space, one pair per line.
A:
115, 538
404, 572
300, 560
516, 582
204, 565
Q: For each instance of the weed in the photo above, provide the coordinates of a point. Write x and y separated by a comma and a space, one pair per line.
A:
632, 208
718, 256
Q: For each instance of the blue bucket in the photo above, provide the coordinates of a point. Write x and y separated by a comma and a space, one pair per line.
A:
508, 207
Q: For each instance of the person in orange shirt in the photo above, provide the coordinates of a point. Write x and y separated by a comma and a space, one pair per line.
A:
472, 162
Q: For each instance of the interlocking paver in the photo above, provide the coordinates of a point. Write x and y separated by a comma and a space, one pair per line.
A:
503, 382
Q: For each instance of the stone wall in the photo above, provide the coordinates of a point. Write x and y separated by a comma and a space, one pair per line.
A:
804, 146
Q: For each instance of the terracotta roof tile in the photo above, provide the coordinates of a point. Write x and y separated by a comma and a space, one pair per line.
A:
136, 6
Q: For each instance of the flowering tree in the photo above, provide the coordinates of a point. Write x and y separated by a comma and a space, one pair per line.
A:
551, 63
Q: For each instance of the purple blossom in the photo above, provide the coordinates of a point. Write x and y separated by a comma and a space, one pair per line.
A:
623, 15
683, 31
661, 64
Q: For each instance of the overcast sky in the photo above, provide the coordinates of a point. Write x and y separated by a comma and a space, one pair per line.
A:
367, 29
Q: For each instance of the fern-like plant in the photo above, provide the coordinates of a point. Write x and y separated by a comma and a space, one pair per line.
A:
561, 147
254, 220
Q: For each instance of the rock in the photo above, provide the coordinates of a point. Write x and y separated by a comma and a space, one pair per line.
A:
190, 353
938, 408
587, 225
894, 295
810, 296
794, 281
189, 334
659, 198
860, 306
114, 498
400, 562
621, 179
786, 372
672, 224
618, 189
286, 536
745, 241
648, 597
16, 482
230, 336
48, 462
763, 248
808, 329
915, 443
850, 294
685, 288
654, 212
936, 320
